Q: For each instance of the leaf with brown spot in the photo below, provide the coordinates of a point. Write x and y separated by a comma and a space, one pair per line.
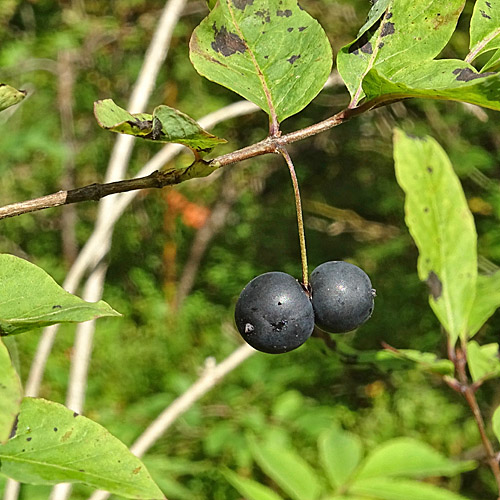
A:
484, 30
81, 451
440, 222
270, 52
405, 36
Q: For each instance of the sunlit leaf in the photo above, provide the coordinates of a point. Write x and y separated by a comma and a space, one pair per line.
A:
164, 125
483, 360
11, 394
442, 226
250, 489
288, 469
30, 298
340, 453
270, 52
52, 444
484, 27
398, 489
495, 421
407, 35
486, 301
10, 96
409, 458
445, 79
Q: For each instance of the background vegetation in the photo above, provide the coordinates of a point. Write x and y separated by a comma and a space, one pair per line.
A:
353, 209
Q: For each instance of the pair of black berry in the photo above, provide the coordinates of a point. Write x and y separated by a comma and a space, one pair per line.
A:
275, 314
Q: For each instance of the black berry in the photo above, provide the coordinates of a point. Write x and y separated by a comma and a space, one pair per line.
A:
342, 296
274, 314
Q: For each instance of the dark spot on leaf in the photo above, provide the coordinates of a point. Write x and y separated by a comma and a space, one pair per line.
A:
435, 285
488, 4
284, 13
367, 48
227, 43
14, 427
57, 306
388, 15
29, 439
293, 59
289, 30
484, 14
302, 28
156, 132
380, 45
356, 46
387, 29
55, 429
75, 414
241, 4
430, 170
81, 470
426, 209
266, 57
264, 15
137, 470
467, 74
141, 124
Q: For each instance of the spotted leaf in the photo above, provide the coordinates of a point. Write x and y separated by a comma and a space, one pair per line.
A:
270, 52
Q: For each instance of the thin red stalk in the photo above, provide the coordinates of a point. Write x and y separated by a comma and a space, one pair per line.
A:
300, 218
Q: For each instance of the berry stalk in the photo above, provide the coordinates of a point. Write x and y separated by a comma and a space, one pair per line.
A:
300, 219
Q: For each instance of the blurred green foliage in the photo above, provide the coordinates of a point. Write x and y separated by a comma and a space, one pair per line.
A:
144, 360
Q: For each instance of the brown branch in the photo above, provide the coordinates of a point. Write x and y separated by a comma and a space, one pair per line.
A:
469, 393
167, 178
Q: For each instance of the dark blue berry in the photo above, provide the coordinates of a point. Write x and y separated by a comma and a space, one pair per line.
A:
342, 296
274, 314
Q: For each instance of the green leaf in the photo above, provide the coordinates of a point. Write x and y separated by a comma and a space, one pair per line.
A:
251, 490
411, 458
52, 444
30, 298
428, 361
493, 62
294, 476
270, 52
164, 125
442, 226
397, 489
408, 35
340, 453
10, 96
482, 360
484, 28
446, 79
495, 421
486, 301
11, 394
